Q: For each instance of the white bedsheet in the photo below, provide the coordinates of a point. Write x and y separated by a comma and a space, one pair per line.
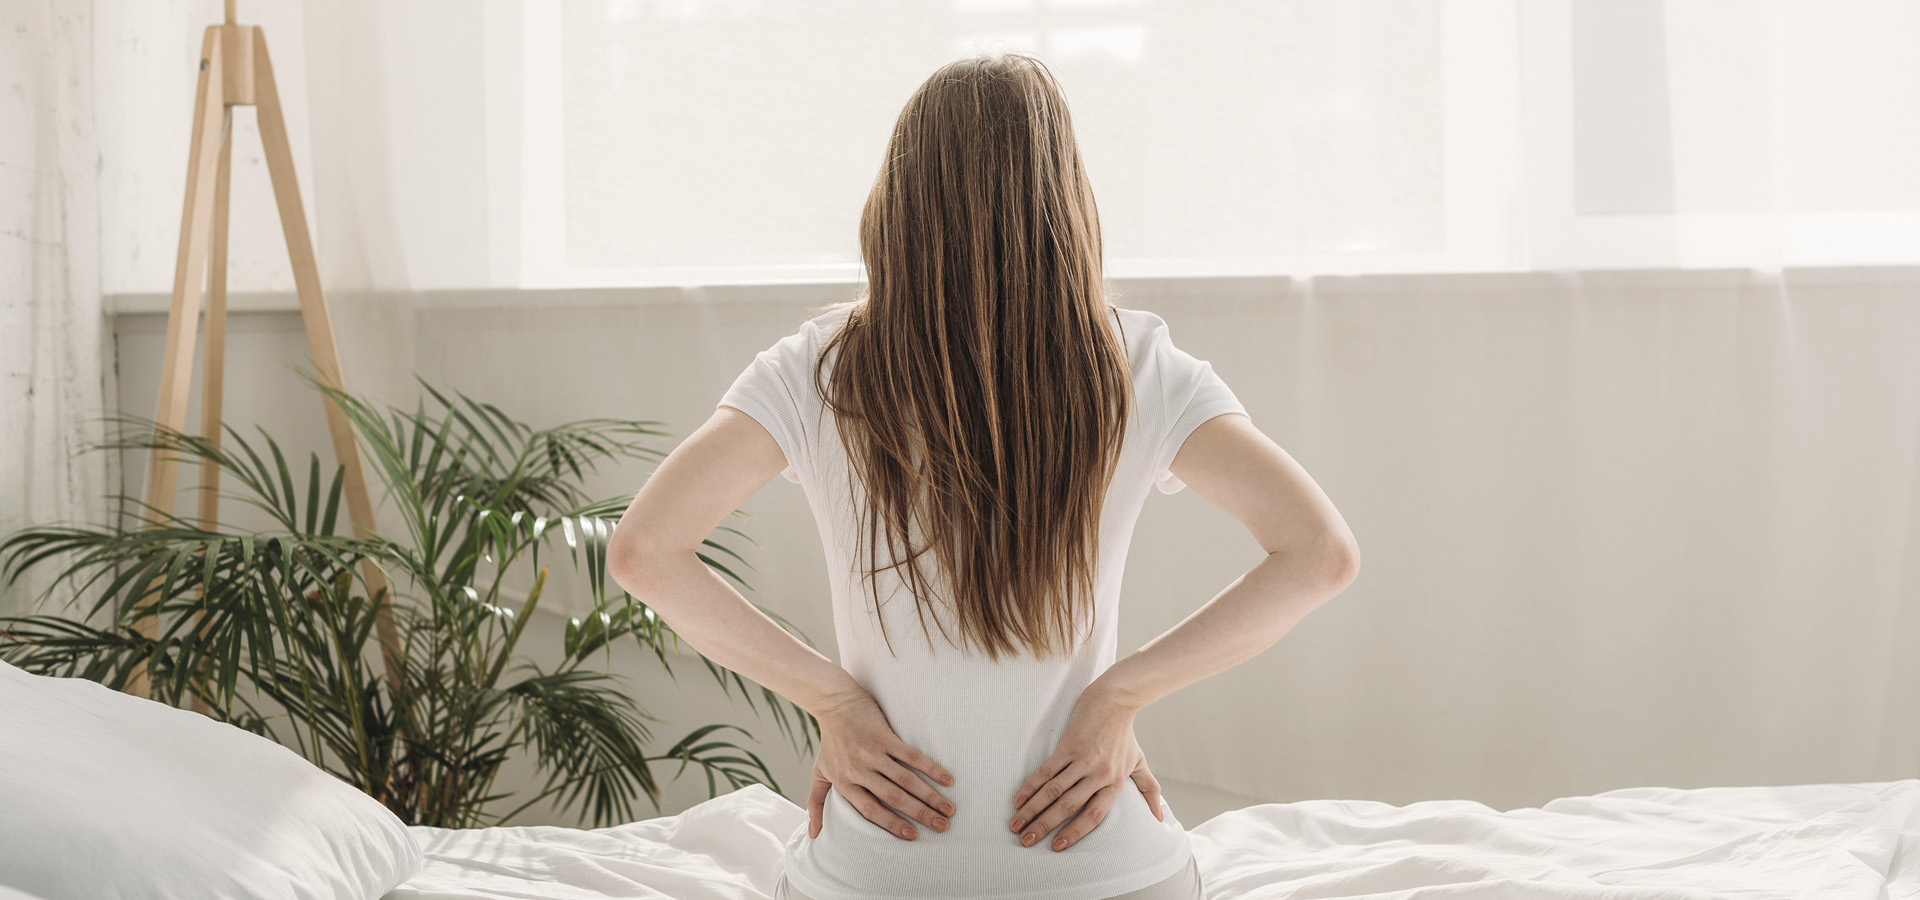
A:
1827, 842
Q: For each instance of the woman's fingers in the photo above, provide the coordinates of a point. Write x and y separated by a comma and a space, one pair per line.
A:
816, 803
877, 812
927, 805
1061, 810
881, 784
1043, 800
918, 760
873, 769
1149, 788
1090, 817
1040, 776
1096, 752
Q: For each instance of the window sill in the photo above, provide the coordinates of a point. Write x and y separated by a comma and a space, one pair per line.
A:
821, 292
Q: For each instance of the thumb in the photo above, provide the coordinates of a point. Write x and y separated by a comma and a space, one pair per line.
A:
1149, 788
816, 804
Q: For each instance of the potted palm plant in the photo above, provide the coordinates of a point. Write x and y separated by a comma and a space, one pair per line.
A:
272, 630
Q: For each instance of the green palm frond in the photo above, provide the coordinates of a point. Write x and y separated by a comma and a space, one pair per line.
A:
739, 771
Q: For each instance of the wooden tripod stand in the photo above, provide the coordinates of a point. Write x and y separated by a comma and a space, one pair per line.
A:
235, 71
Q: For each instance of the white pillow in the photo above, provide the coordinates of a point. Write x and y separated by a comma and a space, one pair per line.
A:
104, 795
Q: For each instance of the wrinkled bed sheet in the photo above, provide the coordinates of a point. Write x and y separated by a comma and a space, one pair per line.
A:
1825, 842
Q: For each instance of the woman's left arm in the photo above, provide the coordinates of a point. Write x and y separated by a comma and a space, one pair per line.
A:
652, 555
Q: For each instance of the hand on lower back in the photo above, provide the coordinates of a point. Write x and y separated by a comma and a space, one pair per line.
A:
1079, 783
863, 759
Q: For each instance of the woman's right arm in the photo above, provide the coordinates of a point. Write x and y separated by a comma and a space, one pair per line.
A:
1311, 556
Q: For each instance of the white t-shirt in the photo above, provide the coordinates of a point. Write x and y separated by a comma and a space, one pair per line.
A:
990, 724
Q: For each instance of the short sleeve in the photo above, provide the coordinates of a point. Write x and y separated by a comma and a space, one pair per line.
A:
774, 390
1191, 393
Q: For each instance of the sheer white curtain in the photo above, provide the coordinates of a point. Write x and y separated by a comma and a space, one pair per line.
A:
93, 144
1620, 527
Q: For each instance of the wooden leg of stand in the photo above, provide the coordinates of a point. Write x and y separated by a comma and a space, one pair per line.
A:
319, 325
213, 384
183, 319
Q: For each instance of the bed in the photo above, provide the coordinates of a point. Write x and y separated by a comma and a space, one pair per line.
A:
1854, 841
105, 796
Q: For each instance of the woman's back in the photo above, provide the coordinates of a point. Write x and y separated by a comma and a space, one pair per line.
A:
989, 723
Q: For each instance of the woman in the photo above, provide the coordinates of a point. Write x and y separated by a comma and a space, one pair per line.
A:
977, 434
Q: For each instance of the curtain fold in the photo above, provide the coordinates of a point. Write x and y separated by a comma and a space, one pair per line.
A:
51, 334
359, 153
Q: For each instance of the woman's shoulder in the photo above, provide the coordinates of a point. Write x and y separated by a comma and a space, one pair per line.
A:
825, 320
797, 348
1144, 334
1138, 324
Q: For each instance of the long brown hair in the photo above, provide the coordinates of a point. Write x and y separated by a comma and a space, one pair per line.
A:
982, 388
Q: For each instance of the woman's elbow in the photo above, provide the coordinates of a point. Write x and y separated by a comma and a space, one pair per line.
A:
1340, 559
631, 562
624, 572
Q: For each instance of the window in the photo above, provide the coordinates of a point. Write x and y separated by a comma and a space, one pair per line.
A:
711, 141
